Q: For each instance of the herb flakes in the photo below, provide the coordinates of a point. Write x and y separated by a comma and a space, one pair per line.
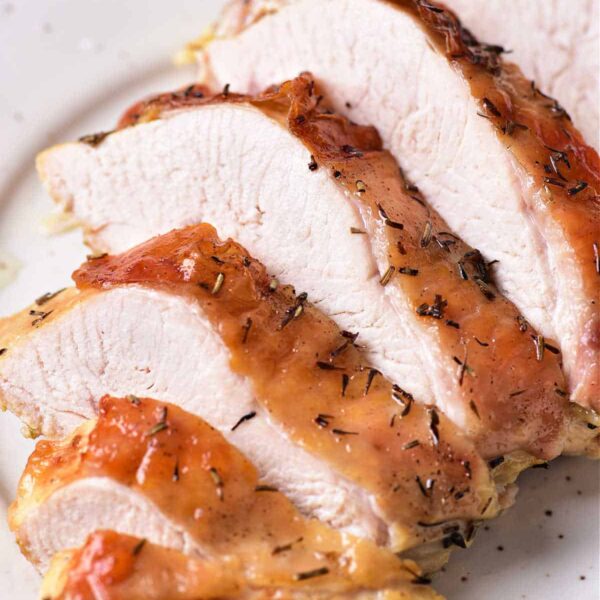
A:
94, 139
48, 296
434, 421
426, 237
412, 444
579, 187
491, 107
485, 289
403, 398
425, 488
372, 374
435, 310
40, 316
218, 284
540, 345
523, 324
295, 311
246, 330
553, 181
322, 420
351, 151
345, 382
454, 539
218, 481
243, 419
265, 488
138, 547
160, 426
495, 462
327, 366
385, 279
343, 432
285, 547
304, 575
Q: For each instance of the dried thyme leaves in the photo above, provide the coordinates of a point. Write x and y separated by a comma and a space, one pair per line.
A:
94, 139
48, 296
138, 547
220, 279
311, 574
403, 398
39, 315
387, 276
294, 311
243, 419
246, 330
160, 426
435, 310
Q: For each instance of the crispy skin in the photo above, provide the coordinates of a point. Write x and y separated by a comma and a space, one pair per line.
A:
112, 566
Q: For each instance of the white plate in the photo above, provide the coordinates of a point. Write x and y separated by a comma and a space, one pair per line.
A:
68, 67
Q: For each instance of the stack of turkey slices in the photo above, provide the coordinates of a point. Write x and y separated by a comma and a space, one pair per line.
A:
393, 395
495, 156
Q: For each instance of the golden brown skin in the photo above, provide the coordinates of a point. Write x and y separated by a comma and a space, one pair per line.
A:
341, 407
187, 469
512, 393
566, 171
112, 566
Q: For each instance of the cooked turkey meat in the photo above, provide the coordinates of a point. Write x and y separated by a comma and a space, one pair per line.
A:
198, 323
315, 197
149, 469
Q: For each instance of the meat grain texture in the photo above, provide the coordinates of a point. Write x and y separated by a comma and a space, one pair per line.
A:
336, 217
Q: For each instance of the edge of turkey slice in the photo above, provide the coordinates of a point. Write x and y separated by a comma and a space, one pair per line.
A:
563, 61
116, 566
196, 322
498, 159
317, 199
151, 470
557, 47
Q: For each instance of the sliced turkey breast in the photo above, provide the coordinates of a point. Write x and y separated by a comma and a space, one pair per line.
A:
152, 470
317, 199
495, 156
197, 322
556, 44
112, 566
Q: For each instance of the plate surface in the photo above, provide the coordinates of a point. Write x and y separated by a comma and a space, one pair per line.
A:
68, 68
